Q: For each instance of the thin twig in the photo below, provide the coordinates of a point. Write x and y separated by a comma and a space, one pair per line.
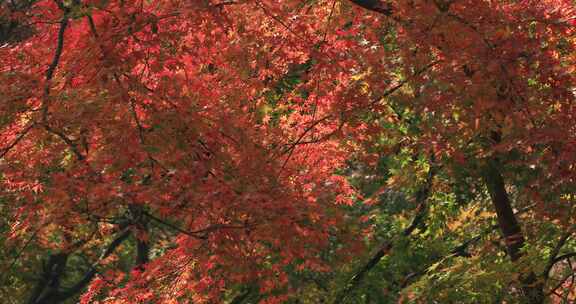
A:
16, 141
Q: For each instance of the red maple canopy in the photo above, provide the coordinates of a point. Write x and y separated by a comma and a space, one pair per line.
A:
225, 124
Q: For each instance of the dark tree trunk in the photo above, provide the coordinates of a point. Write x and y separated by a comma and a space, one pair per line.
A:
532, 288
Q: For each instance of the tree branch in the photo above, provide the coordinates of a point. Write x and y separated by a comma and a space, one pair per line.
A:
564, 257
460, 250
73, 146
76, 288
377, 6
54, 64
22, 134
46, 290
554, 254
421, 198
201, 234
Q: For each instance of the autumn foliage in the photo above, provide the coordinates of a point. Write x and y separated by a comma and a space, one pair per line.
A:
207, 151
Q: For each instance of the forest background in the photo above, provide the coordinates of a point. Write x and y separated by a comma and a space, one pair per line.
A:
312, 151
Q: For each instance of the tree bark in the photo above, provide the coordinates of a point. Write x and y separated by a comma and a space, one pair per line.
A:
532, 288
48, 289
378, 6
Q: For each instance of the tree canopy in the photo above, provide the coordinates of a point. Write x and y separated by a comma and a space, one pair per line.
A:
287, 151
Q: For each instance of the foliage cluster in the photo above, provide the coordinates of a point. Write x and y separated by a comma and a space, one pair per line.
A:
287, 151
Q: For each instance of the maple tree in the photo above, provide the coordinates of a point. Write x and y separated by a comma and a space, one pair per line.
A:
291, 151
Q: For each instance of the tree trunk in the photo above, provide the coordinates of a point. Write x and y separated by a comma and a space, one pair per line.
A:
532, 289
